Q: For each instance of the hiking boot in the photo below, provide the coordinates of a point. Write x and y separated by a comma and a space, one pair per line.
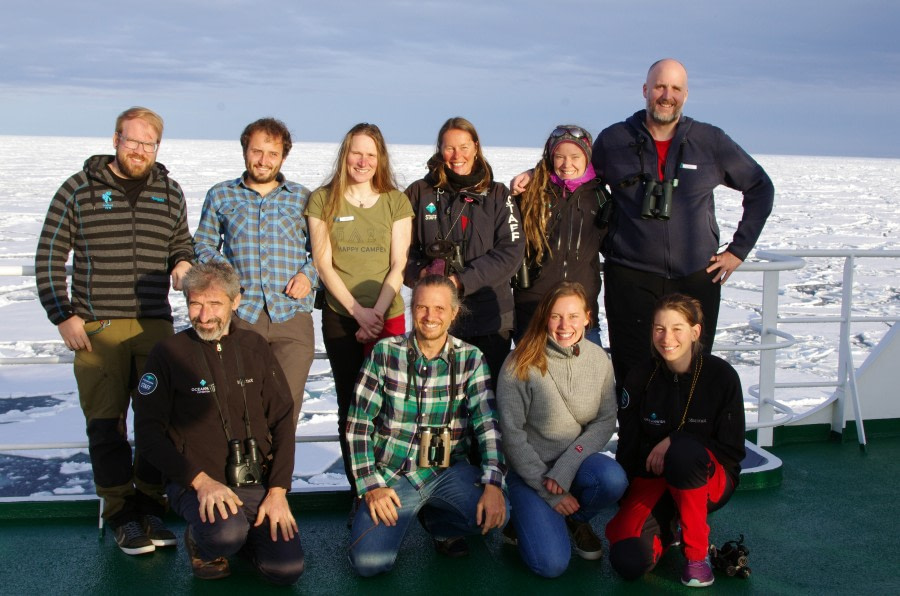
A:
698, 574
132, 540
215, 569
452, 547
587, 544
157, 531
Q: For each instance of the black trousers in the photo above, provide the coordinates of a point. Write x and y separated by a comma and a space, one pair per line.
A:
629, 296
346, 356
495, 347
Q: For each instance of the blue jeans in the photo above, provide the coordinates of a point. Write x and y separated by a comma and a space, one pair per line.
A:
281, 562
543, 536
451, 499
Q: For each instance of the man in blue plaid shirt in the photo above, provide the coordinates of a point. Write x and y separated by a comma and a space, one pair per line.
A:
415, 398
257, 222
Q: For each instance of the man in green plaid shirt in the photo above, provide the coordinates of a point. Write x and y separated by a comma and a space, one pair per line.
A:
416, 397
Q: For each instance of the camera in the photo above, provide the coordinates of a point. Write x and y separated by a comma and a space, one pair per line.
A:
657, 201
245, 463
434, 448
446, 257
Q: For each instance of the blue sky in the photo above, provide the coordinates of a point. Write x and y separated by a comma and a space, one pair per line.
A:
804, 77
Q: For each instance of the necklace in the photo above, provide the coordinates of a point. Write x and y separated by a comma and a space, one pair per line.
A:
696, 375
366, 201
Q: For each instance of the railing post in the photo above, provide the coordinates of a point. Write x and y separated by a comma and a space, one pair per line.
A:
846, 371
769, 315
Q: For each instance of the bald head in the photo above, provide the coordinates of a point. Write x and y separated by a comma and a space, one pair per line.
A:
666, 90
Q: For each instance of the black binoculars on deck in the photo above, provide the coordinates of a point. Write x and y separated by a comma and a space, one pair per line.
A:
245, 465
657, 199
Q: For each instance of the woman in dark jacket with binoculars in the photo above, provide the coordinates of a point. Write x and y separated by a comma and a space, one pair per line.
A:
467, 227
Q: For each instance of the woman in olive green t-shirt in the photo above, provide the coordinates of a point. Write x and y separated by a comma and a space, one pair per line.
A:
360, 226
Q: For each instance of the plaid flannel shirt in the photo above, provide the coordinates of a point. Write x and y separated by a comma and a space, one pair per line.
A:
265, 239
382, 426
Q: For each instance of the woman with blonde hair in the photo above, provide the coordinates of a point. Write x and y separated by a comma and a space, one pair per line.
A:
360, 227
557, 405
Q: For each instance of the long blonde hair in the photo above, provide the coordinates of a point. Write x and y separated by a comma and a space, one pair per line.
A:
337, 184
535, 213
530, 351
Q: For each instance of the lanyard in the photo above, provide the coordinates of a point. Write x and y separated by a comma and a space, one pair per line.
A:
411, 356
200, 357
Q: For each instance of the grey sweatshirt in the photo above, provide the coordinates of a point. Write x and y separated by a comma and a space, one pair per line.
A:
552, 423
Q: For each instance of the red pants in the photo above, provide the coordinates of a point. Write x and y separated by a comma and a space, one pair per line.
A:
694, 483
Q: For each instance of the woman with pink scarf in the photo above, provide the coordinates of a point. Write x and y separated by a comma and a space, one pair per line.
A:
564, 214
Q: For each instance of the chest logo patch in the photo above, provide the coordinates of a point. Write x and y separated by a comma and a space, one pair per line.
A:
107, 200
430, 208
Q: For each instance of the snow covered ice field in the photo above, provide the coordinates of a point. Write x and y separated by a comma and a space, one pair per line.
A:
820, 203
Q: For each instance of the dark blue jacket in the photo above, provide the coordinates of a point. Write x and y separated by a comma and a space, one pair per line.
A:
702, 157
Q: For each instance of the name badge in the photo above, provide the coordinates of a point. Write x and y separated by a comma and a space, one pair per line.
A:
688, 166
344, 218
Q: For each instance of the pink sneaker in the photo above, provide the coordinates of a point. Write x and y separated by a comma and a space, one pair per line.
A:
698, 574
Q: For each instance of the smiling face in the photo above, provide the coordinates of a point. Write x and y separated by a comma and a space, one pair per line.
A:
263, 158
666, 91
210, 312
569, 161
673, 338
459, 150
362, 159
432, 313
568, 319
134, 163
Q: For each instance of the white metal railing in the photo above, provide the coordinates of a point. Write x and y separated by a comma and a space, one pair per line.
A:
774, 262
771, 339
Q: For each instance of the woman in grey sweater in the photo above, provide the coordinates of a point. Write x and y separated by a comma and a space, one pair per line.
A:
557, 404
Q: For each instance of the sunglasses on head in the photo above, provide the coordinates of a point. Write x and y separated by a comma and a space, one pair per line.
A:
572, 131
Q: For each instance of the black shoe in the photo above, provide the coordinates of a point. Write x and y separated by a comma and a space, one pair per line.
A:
157, 531
132, 540
215, 569
452, 547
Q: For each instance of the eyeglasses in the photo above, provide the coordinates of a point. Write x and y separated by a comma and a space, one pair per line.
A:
132, 144
572, 131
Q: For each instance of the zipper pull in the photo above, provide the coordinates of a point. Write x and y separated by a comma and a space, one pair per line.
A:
219, 347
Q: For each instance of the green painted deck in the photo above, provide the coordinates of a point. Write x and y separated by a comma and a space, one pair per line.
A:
829, 528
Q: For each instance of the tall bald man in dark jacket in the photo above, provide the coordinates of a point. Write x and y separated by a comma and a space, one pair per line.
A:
662, 168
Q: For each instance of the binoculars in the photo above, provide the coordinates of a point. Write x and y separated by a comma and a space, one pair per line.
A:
434, 448
446, 257
245, 463
732, 558
658, 199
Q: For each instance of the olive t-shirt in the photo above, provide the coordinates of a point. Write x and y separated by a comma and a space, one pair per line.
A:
361, 246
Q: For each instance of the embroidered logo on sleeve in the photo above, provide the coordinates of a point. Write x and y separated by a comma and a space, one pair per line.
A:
579, 448
147, 384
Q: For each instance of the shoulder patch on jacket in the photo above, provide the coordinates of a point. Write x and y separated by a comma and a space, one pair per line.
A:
147, 384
